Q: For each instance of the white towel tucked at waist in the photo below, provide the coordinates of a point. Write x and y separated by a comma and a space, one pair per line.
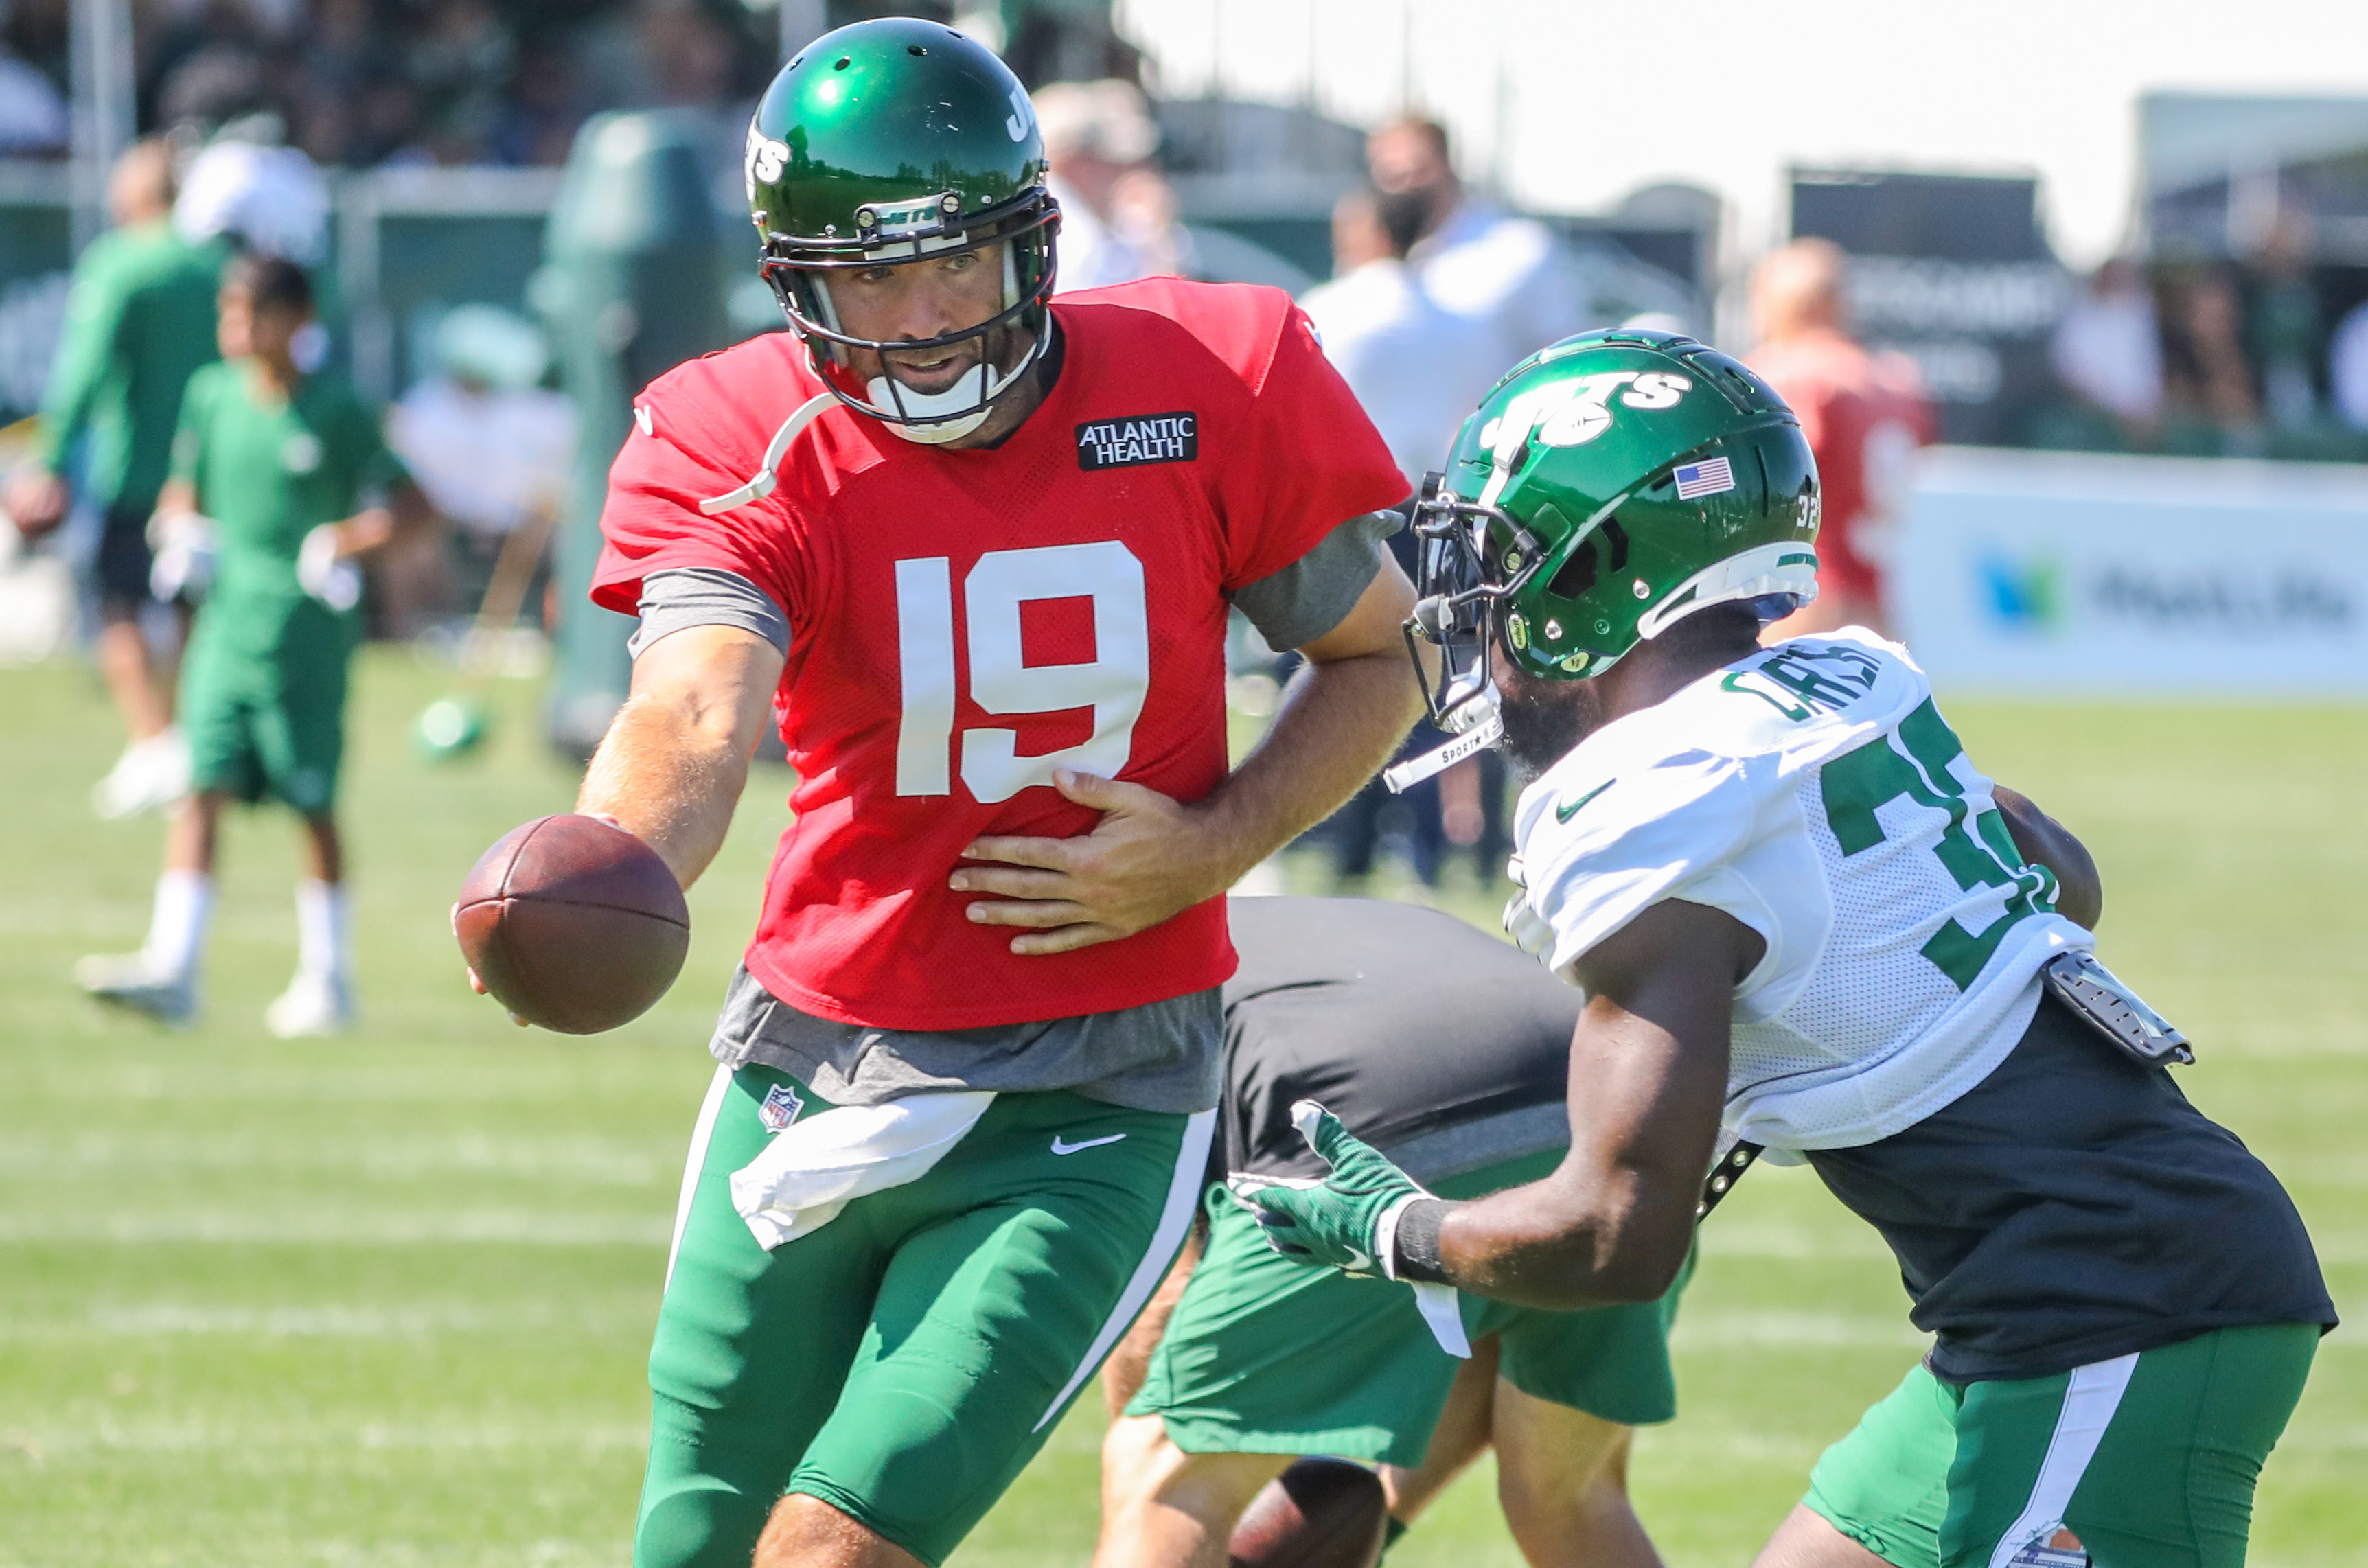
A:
820, 1163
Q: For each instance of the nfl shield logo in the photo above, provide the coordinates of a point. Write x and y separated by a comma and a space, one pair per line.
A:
781, 1107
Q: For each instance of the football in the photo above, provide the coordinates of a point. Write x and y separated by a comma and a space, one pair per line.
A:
573, 925
1318, 1514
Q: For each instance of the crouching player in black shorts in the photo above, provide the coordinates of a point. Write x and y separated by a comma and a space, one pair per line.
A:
1452, 1051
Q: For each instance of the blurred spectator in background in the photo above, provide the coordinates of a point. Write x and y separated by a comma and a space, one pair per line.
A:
538, 122
457, 62
1511, 274
2282, 328
203, 67
2347, 368
1118, 217
358, 83
689, 53
215, 87
2108, 350
140, 322
489, 446
1864, 415
32, 112
2216, 384
337, 67
1418, 368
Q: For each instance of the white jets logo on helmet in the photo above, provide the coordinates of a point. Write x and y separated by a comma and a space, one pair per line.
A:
766, 159
1023, 115
1575, 411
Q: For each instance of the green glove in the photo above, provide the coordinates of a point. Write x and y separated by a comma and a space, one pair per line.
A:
1336, 1221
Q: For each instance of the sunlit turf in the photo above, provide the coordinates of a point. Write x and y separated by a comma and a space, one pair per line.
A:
385, 1300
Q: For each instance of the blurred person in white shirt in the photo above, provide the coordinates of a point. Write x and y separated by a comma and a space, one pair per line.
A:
1118, 217
1417, 367
2108, 350
490, 446
1476, 260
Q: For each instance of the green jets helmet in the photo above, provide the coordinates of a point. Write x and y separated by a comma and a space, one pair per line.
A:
1608, 487
892, 140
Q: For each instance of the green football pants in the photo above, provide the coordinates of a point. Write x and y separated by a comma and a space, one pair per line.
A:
2143, 1461
904, 1362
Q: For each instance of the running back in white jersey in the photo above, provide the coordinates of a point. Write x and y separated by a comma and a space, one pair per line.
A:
1814, 792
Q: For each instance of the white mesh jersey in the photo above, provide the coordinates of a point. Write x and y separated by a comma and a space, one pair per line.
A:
1814, 792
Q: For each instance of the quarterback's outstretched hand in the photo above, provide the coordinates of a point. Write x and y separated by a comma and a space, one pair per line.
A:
1149, 859
1339, 1220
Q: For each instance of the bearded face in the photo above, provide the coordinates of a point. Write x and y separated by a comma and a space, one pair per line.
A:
1545, 719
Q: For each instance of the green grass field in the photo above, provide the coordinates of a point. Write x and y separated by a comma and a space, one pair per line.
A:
383, 1302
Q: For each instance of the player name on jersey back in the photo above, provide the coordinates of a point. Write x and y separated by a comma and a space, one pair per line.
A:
1814, 792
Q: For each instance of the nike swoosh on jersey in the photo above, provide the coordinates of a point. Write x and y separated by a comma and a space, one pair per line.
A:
1061, 1148
1565, 813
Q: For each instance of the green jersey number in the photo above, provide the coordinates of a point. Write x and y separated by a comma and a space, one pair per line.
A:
1979, 855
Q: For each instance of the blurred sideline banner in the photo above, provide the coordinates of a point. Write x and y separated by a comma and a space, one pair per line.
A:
2064, 574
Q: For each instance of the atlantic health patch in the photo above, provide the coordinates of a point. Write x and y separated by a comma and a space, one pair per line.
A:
1139, 438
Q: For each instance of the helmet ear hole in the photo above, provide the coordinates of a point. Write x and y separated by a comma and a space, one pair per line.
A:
1578, 574
1618, 538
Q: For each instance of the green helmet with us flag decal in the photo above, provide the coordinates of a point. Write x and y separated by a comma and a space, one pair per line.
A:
889, 141
1608, 487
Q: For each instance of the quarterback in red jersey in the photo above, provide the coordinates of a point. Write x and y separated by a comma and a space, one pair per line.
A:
974, 552
1194, 443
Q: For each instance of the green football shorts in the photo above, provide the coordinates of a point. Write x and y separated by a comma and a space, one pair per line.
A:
259, 726
1265, 1356
905, 1362
2144, 1461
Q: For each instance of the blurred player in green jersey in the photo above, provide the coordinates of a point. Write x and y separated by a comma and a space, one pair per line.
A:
140, 321
286, 475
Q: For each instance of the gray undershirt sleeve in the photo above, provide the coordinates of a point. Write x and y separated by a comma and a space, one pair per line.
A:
685, 596
1307, 599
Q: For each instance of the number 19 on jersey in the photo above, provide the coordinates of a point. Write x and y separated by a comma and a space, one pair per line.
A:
1113, 683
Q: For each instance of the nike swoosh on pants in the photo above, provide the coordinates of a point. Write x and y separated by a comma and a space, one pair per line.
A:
1061, 1148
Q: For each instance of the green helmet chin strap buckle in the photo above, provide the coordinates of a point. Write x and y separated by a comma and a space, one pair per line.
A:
1606, 488
896, 140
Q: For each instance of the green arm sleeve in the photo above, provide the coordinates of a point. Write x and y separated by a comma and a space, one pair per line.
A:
95, 313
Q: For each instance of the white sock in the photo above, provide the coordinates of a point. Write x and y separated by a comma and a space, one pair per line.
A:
322, 931
176, 931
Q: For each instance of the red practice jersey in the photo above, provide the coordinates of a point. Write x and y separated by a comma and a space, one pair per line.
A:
963, 623
1864, 415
